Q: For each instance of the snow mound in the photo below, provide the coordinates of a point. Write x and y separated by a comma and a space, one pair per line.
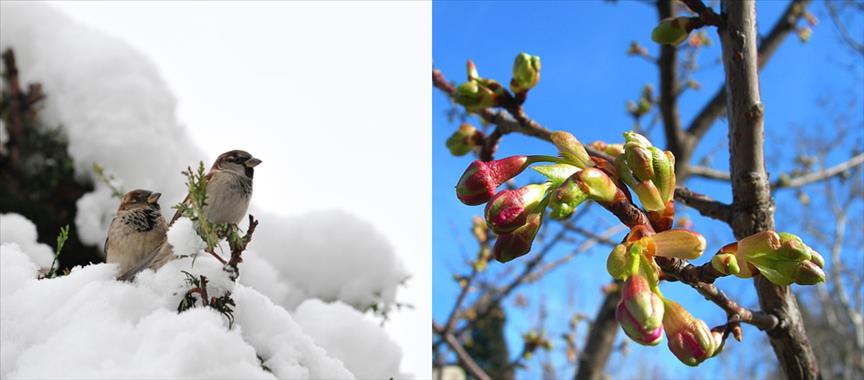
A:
331, 255
364, 348
17, 229
88, 325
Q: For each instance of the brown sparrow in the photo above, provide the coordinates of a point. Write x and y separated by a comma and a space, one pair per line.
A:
229, 187
137, 234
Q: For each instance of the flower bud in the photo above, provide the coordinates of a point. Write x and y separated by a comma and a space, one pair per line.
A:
639, 160
690, 339
571, 149
649, 171
597, 185
479, 181
526, 72
640, 312
671, 31
462, 141
781, 258
618, 263
565, 199
680, 243
809, 273
509, 209
664, 173
725, 263
511, 245
475, 96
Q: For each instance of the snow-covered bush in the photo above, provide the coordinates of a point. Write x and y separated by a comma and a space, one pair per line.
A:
118, 112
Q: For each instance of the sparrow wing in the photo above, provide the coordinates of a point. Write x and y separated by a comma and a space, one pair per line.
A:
141, 264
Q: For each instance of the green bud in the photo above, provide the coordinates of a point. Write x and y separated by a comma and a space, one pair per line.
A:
597, 185
571, 149
809, 274
461, 142
725, 263
664, 173
526, 72
781, 258
679, 243
474, 96
671, 31
566, 198
618, 263
640, 161
633, 137
649, 196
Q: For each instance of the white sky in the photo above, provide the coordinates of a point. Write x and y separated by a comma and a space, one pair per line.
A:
333, 97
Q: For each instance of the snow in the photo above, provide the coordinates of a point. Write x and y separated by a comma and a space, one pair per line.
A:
147, 337
16, 229
364, 348
331, 255
117, 111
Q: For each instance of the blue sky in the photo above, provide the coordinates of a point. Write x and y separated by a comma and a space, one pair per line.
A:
586, 80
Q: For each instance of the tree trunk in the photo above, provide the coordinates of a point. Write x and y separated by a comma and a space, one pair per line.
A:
598, 347
752, 207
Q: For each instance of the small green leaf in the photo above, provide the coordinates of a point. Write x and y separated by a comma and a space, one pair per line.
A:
557, 173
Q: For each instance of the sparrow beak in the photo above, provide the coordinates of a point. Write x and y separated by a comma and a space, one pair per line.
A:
252, 162
153, 198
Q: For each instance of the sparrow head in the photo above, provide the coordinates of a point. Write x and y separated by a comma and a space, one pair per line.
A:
139, 198
237, 161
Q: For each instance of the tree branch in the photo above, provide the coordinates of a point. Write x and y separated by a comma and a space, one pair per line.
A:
717, 105
668, 103
820, 175
704, 204
752, 207
601, 339
708, 172
466, 359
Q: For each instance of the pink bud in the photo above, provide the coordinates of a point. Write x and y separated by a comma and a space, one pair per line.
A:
479, 181
517, 243
640, 312
690, 339
509, 209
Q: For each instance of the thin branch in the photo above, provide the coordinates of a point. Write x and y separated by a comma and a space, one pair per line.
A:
820, 175
706, 14
717, 105
704, 204
708, 172
466, 359
668, 103
844, 33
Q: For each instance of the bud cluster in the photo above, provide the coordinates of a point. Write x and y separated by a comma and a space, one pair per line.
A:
782, 258
478, 93
464, 140
649, 171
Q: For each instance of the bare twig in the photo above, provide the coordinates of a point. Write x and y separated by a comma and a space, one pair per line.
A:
717, 105
707, 172
463, 356
704, 204
844, 33
820, 175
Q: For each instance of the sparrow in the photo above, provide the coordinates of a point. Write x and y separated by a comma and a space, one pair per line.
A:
138, 234
229, 188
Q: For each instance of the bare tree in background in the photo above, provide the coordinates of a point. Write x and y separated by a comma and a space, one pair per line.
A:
751, 212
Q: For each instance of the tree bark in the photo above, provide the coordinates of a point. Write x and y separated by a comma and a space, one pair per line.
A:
752, 207
601, 339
